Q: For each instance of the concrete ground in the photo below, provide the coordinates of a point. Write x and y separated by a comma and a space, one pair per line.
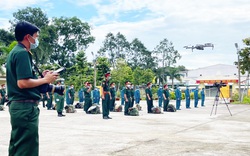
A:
186, 132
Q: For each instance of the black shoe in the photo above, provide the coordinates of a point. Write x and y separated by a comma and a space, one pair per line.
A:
188, 107
196, 107
63, 115
109, 117
105, 117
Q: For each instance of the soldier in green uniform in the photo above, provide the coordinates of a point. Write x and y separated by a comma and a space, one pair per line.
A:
106, 97
87, 93
59, 100
2, 94
132, 92
165, 97
23, 91
72, 94
43, 98
127, 97
49, 100
149, 97
112, 92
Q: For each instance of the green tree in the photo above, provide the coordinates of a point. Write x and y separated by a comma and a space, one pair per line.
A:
102, 66
73, 35
121, 73
4, 51
6, 37
115, 47
142, 76
140, 56
244, 57
80, 72
173, 73
166, 53
39, 18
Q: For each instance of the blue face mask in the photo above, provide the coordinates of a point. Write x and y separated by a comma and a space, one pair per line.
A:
34, 45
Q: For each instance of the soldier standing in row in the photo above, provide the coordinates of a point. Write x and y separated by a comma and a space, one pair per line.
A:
2, 94
71, 94
112, 92
59, 99
106, 96
96, 96
160, 97
202, 97
87, 93
187, 97
178, 98
196, 97
137, 95
132, 95
122, 96
149, 97
127, 97
166, 97
49, 100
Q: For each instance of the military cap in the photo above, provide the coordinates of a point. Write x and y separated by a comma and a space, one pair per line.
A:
107, 74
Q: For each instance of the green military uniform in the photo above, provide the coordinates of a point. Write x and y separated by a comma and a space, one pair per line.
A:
106, 100
44, 98
166, 101
72, 96
24, 111
3, 93
87, 100
49, 100
112, 101
127, 103
59, 100
149, 101
132, 93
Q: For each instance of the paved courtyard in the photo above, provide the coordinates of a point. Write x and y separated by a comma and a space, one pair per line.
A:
186, 132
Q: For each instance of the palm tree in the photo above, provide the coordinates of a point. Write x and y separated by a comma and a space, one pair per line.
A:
174, 73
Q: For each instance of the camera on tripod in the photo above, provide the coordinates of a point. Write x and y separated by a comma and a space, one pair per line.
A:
219, 85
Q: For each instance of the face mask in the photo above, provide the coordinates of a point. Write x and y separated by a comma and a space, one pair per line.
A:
34, 45
128, 86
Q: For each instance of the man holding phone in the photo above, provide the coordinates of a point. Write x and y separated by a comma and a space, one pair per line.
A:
23, 92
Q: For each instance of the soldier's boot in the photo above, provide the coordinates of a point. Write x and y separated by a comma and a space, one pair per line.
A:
60, 114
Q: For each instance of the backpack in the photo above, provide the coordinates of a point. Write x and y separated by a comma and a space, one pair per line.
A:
133, 111
156, 110
70, 109
171, 108
94, 109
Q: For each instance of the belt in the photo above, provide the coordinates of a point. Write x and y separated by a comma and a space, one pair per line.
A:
26, 101
106, 92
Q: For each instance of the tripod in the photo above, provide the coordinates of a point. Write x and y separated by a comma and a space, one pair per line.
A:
216, 101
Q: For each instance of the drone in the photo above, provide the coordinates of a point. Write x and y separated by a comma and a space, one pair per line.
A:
200, 46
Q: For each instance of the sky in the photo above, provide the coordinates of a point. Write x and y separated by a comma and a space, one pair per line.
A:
183, 22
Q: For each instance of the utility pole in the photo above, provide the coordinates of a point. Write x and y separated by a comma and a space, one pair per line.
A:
238, 53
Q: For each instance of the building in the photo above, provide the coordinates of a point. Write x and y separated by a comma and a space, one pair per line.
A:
206, 77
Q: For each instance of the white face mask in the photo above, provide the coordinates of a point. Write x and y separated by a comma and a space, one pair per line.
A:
128, 86
34, 45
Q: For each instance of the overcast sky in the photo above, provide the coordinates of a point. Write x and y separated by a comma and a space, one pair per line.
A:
184, 22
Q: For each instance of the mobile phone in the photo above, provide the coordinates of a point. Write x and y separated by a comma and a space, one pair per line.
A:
59, 70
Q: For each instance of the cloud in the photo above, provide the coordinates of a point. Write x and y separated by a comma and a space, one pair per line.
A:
17, 4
